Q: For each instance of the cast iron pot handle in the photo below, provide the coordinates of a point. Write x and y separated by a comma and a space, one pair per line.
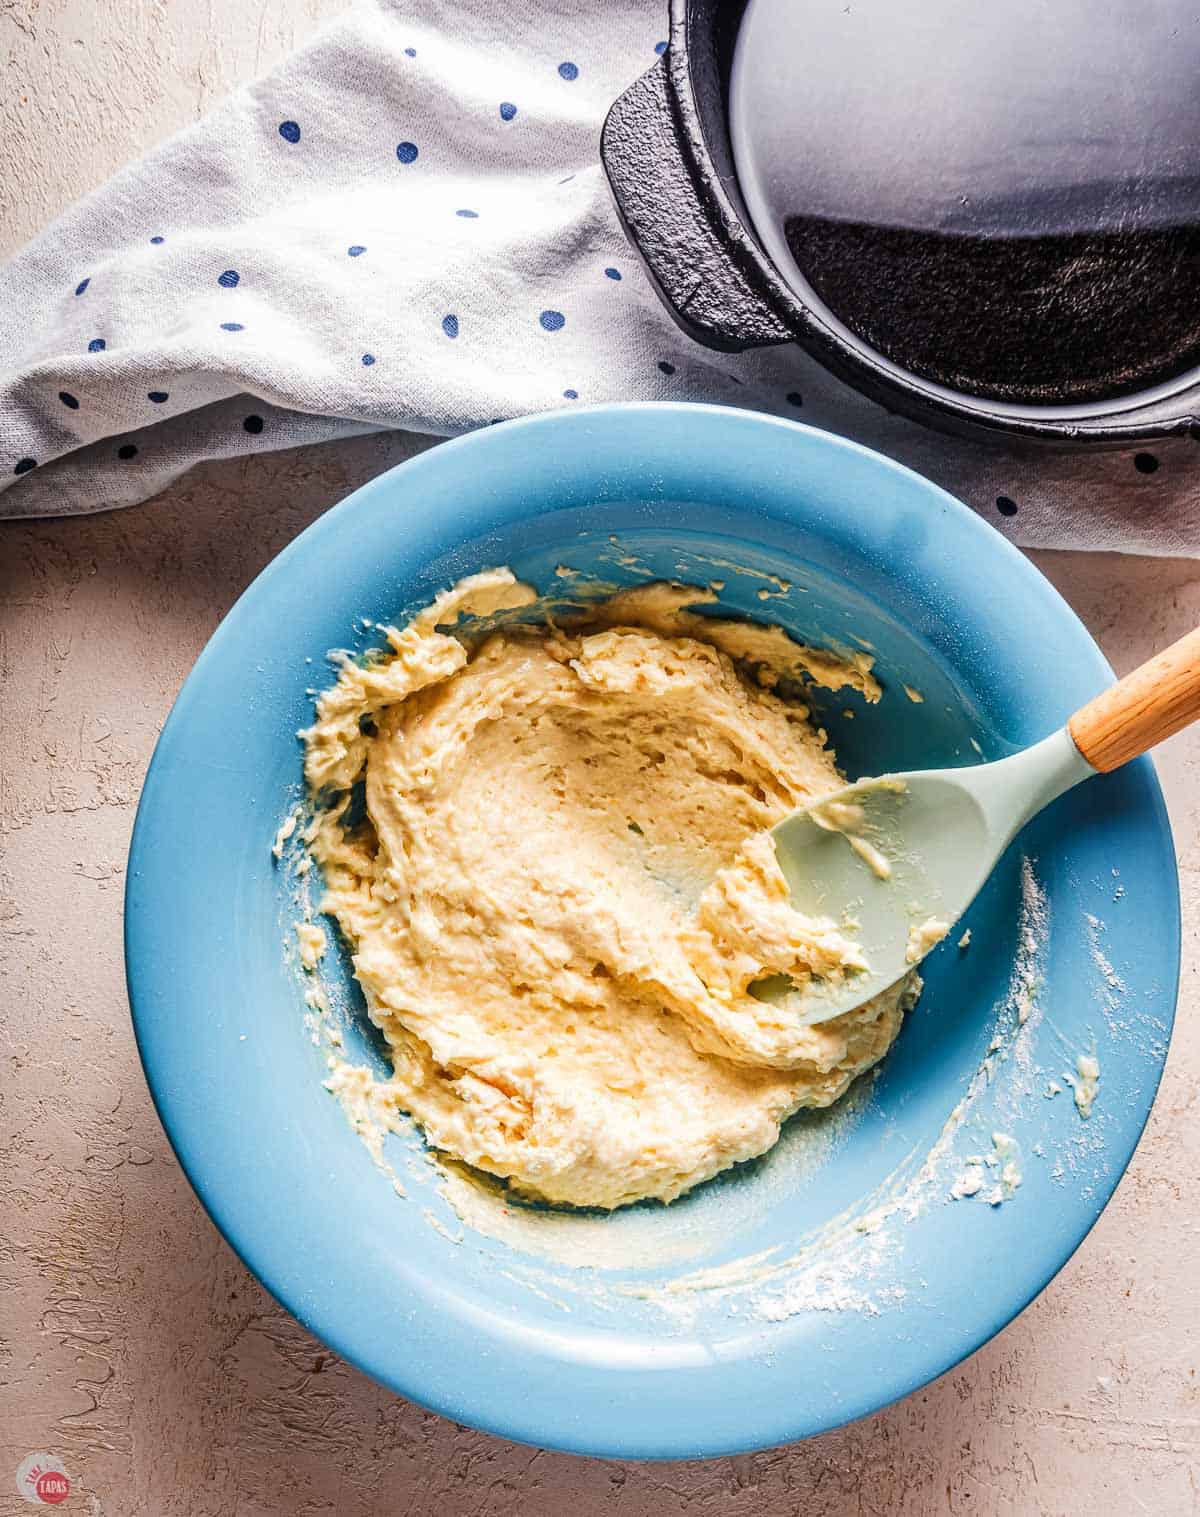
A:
667, 215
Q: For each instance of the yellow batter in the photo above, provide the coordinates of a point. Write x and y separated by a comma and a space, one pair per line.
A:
562, 889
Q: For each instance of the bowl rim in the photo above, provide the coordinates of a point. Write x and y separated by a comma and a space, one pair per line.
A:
512, 1420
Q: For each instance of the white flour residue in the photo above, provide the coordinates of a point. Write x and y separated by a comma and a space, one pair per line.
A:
1107, 973
821, 1290
1022, 1011
1018, 1020
842, 1265
1122, 1017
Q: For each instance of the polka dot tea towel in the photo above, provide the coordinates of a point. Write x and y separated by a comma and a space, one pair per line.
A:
406, 226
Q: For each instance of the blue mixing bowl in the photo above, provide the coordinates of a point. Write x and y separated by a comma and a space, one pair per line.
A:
838, 1272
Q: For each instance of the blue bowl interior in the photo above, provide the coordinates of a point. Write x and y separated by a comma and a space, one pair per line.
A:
495, 1327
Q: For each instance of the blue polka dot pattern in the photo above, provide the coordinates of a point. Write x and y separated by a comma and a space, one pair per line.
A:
553, 321
406, 152
570, 394
232, 326
157, 396
68, 400
450, 326
23, 465
82, 285
289, 131
97, 345
667, 368
157, 240
368, 359
127, 450
507, 110
410, 52
356, 251
568, 71
468, 215
660, 48
612, 273
229, 280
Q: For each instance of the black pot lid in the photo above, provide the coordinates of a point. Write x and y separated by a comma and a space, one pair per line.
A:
999, 196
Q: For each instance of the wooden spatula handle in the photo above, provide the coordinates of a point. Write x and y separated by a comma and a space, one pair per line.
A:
1146, 706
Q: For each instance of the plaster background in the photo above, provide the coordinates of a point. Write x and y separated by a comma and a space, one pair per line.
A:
136, 1347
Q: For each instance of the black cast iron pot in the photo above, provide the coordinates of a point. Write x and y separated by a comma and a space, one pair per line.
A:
984, 216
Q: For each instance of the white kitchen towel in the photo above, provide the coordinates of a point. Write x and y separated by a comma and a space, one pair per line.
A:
406, 226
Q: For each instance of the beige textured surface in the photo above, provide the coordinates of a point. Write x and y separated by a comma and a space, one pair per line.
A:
139, 1349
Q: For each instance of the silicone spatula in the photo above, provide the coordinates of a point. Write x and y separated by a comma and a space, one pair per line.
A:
899, 858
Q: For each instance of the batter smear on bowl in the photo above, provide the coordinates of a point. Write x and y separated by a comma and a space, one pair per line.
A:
546, 845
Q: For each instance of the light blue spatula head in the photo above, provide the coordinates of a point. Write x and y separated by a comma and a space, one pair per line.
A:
898, 859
